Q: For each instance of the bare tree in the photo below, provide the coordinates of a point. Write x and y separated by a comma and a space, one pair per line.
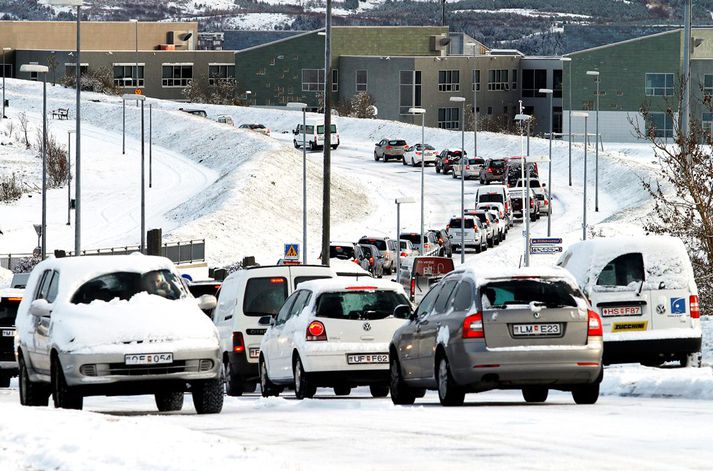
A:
24, 125
57, 167
362, 105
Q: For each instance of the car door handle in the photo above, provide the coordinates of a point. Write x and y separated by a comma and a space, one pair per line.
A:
425, 322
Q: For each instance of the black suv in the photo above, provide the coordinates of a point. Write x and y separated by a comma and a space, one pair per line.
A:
9, 301
447, 159
493, 171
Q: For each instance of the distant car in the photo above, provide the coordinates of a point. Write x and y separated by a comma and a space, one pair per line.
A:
375, 259
119, 325
406, 249
430, 243
513, 170
474, 234
194, 112
492, 223
199, 288
502, 214
390, 149
516, 196
444, 241
19, 280
387, 247
472, 168
313, 134
493, 170
414, 154
422, 273
348, 251
494, 194
10, 299
540, 193
447, 158
259, 128
225, 119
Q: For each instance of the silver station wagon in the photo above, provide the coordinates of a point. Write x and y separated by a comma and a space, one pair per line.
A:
480, 329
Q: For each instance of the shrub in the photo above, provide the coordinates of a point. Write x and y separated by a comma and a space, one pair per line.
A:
10, 189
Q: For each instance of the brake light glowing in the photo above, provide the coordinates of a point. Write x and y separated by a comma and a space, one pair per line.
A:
14, 299
238, 343
489, 170
316, 331
595, 324
467, 167
404, 254
277, 280
473, 326
695, 309
389, 147
547, 202
413, 288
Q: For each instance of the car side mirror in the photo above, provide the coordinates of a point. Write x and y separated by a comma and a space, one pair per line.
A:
207, 302
413, 316
40, 308
402, 311
266, 320
544, 185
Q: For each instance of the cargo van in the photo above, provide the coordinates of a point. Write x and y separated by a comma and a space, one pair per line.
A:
244, 297
644, 290
315, 136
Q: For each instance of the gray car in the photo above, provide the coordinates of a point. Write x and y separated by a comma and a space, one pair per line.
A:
476, 330
390, 149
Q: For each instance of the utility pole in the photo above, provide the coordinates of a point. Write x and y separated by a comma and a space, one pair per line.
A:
686, 68
327, 180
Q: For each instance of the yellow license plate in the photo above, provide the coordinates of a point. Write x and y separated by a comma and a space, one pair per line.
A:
629, 326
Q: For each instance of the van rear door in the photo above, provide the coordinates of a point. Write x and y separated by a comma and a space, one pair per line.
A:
668, 289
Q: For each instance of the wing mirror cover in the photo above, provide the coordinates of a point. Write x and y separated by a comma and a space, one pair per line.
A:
207, 302
40, 308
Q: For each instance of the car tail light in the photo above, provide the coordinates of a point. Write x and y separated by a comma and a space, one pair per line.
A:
277, 280
594, 328
506, 206
413, 288
238, 343
356, 261
418, 153
389, 147
489, 170
695, 309
445, 161
404, 254
547, 202
316, 331
467, 167
473, 326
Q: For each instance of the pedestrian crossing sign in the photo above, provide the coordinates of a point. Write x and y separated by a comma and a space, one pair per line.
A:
292, 252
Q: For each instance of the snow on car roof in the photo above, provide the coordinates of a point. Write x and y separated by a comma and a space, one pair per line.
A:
484, 274
347, 267
11, 292
341, 284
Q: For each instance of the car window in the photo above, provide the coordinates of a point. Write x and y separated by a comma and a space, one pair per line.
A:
379, 243
455, 223
622, 270
264, 296
8, 310
359, 305
397, 142
367, 250
310, 130
53, 288
413, 238
463, 297
551, 293
427, 302
124, 285
342, 252
497, 163
302, 279
43, 285
444, 296
284, 312
300, 302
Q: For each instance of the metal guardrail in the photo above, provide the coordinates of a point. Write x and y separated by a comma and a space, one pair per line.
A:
178, 252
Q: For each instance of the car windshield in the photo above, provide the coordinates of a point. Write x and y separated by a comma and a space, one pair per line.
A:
455, 153
397, 142
497, 163
544, 292
490, 198
343, 252
379, 243
359, 305
205, 288
264, 296
124, 285
455, 223
8, 311
404, 245
428, 147
257, 126
483, 218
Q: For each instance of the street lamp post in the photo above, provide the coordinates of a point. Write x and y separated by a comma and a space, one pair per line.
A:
584, 198
475, 105
548, 91
303, 107
569, 114
150, 145
399, 202
422, 112
69, 176
141, 98
595, 74
461, 100
42, 69
4, 51
123, 127
524, 119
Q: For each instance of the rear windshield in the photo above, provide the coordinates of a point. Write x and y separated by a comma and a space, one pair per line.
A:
397, 142
124, 285
411, 237
432, 266
343, 252
199, 290
455, 153
257, 126
428, 147
264, 296
477, 161
8, 311
547, 293
490, 198
359, 305
497, 163
482, 217
379, 243
302, 279
332, 127
455, 223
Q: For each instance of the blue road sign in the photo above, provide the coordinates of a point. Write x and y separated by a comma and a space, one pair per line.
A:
292, 252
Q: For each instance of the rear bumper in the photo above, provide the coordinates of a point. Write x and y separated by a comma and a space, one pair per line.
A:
636, 351
9, 367
315, 359
241, 366
350, 378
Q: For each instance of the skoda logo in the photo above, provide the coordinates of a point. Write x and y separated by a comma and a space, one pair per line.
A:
536, 314
366, 326
660, 309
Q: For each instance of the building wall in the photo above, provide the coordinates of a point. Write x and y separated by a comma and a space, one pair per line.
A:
384, 40
541, 105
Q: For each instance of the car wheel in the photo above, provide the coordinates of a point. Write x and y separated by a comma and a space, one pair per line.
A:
294, 141
342, 390
376, 157
31, 393
491, 242
208, 395
386, 159
478, 248
379, 390
169, 401
234, 384
303, 387
535, 394
438, 169
586, 394
401, 394
267, 387
454, 175
449, 393
413, 163
64, 397
4, 380
312, 146
692, 360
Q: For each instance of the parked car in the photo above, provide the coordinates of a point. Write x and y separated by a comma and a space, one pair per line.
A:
513, 170
430, 243
375, 259
474, 234
199, 288
258, 128
480, 329
493, 170
9, 302
414, 153
472, 168
225, 119
390, 149
194, 112
517, 204
644, 289
500, 209
406, 249
447, 158
387, 247
332, 333
245, 297
495, 194
349, 251
422, 273
119, 325
314, 136
444, 241
489, 225
540, 193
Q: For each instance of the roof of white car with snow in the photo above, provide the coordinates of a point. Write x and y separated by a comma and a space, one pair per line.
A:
490, 273
341, 267
11, 292
340, 284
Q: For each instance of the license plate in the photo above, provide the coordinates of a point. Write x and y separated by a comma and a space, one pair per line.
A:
533, 330
367, 358
148, 359
254, 352
8, 333
621, 311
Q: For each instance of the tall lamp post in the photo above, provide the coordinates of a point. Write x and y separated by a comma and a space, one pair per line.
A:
595, 74
303, 107
584, 115
476, 74
524, 119
42, 69
422, 112
569, 114
327, 172
461, 100
4, 51
150, 145
399, 202
135, 78
69, 176
141, 98
548, 91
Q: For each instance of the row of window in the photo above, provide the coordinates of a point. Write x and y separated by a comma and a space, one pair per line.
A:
172, 75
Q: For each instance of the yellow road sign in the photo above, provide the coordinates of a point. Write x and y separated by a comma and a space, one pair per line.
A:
292, 252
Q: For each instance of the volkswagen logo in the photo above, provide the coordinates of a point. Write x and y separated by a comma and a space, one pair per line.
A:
660, 309
536, 314
366, 326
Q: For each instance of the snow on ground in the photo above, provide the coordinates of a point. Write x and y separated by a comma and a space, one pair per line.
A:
258, 21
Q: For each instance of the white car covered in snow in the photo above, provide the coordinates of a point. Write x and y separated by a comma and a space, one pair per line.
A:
644, 290
116, 325
333, 333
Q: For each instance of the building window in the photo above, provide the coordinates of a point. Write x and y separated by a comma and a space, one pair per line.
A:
409, 90
490, 110
514, 79
532, 81
335, 80
498, 80
176, 75
557, 83
125, 75
362, 82
218, 73
557, 119
707, 122
661, 123
448, 80
312, 80
476, 80
659, 84
449, 118
708, 85
70, 69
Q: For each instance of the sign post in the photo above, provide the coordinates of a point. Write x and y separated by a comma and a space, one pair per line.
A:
545, 245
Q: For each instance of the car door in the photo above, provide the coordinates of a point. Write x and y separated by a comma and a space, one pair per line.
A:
427, 328
407, 346
667, 289
380, 148
292, 332
43, 326
274, 337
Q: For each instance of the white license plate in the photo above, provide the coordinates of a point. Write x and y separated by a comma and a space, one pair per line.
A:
367, 358
8, 333
148, 359
621, 311
254, 353
533, 330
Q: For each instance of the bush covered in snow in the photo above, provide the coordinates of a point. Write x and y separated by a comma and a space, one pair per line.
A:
99, 80
10, 189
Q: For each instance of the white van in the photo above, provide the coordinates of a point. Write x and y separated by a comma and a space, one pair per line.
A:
315, 136
244, 297
494, 194
644, 290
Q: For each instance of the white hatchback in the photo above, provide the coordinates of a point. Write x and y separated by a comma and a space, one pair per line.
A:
333, 333
414, 153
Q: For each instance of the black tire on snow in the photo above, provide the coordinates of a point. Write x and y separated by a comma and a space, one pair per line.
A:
208, 395
4, 380
63, 395
234, 384
401, 394
535, 394
379, 390
586, 394
303, 386
31, 393
342, 390
267, 387
449, 392
169, 401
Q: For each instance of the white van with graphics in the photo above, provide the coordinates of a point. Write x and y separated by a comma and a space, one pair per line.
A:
644, 290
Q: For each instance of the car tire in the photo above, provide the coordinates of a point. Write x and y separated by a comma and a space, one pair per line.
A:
401, 394
692, 360
31, 393
491, 242
379, 390
478, 248
535, 394
267, 387
312, 146
376, 157
4, 380
63, 395
294, 141
449, 392
342, 390
169, 401
438, 169
335, 147
386, 159
208, 395
303, 386
586, 394
234, 384
413, 163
